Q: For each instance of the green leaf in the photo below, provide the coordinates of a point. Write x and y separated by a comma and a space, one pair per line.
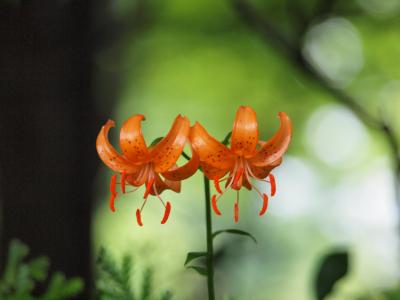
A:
227, 138
147, 284
62, 288
16, 253
234, 231
38, 268
200, 270
156, 141
166, 296
333, 267
193, 255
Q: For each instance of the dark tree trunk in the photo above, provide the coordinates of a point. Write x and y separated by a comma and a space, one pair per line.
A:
48, 127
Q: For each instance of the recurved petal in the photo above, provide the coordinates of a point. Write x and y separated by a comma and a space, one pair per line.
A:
210, 151
166, 184
137, 179
109, 155
211, 172
262, 172
184, 171
131, 139
274, 148
245, 132
165, 154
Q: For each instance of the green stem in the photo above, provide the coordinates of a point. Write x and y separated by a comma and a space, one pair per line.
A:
210, 251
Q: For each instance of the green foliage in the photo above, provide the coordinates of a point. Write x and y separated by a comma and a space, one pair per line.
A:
235, 231
333, 267
20, 278
115, 280
389, 294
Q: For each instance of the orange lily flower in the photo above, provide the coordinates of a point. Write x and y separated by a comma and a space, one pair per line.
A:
154, 166
246, 159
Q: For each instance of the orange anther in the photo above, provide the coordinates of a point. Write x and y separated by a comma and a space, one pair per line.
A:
112, 200
166, 213
113, 184
123, 178
138, 217
214, 205
216, 185
236, 211
272, 183
265, 205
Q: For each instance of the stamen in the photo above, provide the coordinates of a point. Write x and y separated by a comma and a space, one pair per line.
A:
148, 187
238, 174
123, 178
272, 183
265, 205
166, 213
214, 205
236, 216
158, 195
216, 185
236, 209
113, 183
138, 217
112, 200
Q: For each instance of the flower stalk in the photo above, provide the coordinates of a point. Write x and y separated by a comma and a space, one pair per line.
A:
210, 247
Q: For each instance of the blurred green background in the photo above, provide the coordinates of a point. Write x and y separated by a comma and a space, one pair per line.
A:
335, 187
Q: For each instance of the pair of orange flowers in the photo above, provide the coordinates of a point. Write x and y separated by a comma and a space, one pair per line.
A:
155, 166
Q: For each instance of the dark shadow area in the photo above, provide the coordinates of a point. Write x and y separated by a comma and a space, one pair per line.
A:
48, 122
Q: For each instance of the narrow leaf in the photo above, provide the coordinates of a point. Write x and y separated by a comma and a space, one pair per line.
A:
235, 231
156, 141
227, 138
200, 270
193, 255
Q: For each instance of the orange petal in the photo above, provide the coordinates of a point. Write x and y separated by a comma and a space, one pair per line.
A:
162, 185
185, 171
274, 148
210, 151
245, 132
211, 172
247, 184
131, 139
263, 172
109, 155
165, 154
149, 187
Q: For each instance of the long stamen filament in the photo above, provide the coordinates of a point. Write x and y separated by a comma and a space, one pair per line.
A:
167, 206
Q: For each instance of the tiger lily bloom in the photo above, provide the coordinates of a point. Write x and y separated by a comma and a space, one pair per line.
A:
246, 159
154, 166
